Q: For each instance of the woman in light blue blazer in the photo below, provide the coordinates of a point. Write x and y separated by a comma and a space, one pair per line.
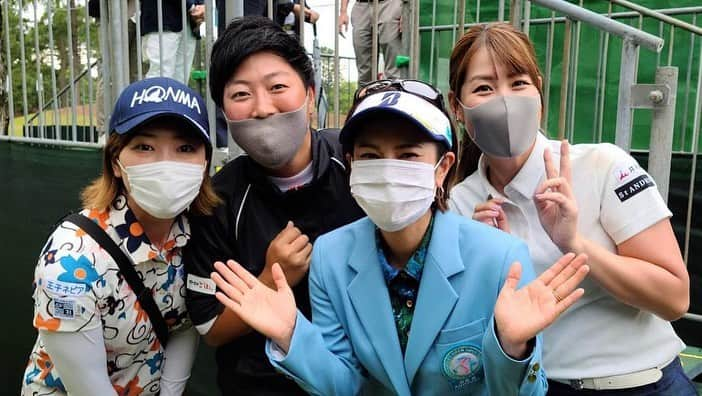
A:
410, 300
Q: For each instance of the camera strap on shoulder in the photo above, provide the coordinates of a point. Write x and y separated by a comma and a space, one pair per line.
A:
126, 268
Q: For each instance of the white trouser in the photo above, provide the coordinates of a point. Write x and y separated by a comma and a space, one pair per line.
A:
178, 53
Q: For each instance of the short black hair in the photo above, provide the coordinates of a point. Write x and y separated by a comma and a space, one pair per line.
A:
249, 35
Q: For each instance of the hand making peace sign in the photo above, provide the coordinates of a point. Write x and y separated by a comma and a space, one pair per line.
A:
555, 202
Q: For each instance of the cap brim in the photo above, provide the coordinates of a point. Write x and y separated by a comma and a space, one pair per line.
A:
129, 125
349, 131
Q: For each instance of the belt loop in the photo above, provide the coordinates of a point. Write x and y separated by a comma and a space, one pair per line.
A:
577, 384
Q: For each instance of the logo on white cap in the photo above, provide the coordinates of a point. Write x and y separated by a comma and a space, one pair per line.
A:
159, 94
431, 118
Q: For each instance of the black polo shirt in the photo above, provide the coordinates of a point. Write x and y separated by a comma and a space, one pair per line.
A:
253, 213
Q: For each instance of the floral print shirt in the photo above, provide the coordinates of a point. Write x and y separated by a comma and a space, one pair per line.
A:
77, 287
403, 285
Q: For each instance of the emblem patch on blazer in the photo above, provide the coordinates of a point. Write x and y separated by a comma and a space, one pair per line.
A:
462, 366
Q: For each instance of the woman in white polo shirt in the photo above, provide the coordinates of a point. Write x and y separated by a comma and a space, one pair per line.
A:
592, 199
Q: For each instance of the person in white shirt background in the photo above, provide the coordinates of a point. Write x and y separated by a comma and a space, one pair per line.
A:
586, 198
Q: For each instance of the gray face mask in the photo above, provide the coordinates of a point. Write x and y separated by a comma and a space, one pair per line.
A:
273, 141
504, 126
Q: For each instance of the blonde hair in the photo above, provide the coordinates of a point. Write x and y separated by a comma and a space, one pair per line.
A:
101, 192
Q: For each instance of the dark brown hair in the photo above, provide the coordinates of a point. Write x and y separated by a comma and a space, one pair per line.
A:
508, 47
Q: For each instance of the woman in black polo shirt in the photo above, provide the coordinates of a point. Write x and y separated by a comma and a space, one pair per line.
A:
291, 187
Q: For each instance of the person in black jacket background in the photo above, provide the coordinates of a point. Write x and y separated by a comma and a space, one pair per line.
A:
178, 49
290, 188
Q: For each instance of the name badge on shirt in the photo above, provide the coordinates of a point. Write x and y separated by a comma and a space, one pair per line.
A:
462, 366
64, 309
201, 285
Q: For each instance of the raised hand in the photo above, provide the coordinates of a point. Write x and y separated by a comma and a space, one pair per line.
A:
270, 312
520, 314
555, 202
293, 251
491, 213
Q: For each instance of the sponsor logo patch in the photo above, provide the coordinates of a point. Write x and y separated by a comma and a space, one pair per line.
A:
201, 285
462, 366
626, 172
61, 288
630, 189
64, 308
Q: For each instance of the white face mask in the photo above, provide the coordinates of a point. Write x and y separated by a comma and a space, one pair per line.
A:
393, 193
164, 189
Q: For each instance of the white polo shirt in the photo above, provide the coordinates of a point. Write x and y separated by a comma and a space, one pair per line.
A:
598, 336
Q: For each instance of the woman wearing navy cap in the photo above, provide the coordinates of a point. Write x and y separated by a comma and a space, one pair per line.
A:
411, 300
96, 337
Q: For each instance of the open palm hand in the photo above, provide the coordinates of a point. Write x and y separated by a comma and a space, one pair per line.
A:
520, 314
270, 312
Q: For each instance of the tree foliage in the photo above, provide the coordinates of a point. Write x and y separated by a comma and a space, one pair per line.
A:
41, 62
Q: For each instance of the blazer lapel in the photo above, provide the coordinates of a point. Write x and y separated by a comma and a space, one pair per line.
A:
369, 295
437, 296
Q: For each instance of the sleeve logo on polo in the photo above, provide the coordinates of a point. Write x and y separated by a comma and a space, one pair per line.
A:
630, 189
626, 172
201, 285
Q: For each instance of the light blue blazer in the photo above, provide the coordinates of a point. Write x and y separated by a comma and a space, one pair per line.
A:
351, 347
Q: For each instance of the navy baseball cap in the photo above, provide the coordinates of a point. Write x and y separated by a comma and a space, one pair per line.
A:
426, 116
155, 97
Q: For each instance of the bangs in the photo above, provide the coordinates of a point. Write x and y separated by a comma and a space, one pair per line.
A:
507, 50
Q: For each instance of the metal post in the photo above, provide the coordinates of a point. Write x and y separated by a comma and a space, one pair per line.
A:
159, 18
661, 146
374, 41
625, 115
515, 13
337, 112
124, 18
432, 39
74, 99
117, 25
415, 40
89, 74
270, 9
137, 10
573, 93
617, 28
184, 37
501, 10
565, 67
527, 17
107, 78
546, 87
23, 68
687, 85
462, 13
40, 78
695, 143
603, 82
8, 58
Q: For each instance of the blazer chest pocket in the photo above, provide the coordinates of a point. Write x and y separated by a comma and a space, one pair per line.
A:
460, 357
464, 333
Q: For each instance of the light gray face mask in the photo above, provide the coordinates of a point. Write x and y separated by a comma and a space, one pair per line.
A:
504, 126
273, 141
